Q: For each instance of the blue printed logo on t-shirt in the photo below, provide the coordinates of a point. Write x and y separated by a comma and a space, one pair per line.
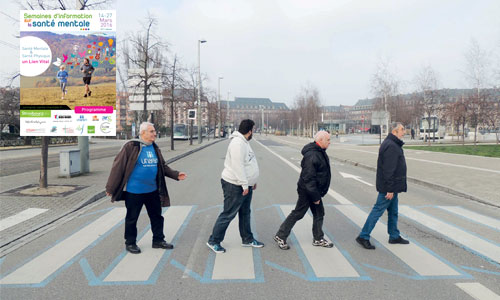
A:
143, 178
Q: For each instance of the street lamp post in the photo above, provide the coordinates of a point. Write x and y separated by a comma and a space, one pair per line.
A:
227, 111
200, 137
220, 114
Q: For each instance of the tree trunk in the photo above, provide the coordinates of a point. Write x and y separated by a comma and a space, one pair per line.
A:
43, 162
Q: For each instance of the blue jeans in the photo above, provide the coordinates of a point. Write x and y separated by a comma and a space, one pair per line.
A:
234, 203
377, 211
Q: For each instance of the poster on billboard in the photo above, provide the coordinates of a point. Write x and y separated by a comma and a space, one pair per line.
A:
68, 72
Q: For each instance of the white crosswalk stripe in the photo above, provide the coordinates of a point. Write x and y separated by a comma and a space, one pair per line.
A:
135, 267
237, 262
478, 218
325, 262
461, 236
20, 217
478, 291
421, 261
47, 263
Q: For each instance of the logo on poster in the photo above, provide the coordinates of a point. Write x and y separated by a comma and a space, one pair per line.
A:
105, 127
107, 118
80, 128
81, 118
90, 129
95, 118
54, 129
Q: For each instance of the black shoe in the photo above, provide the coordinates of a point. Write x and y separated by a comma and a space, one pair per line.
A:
365, 243
85, 96
133, 248
399, 240
163, 245
90, 93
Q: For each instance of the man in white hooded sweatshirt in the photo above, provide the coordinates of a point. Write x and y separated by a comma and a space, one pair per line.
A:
239, 180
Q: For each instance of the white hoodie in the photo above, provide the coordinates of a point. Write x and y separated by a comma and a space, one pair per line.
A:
240, 166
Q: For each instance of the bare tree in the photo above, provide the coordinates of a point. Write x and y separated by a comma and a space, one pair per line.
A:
9, 108
477, 72
426, 82
146, 55
66, 5
384, 86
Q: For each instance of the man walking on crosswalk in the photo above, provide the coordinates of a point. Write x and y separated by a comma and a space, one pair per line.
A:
313, 184
391, 180
138, 177
239, 180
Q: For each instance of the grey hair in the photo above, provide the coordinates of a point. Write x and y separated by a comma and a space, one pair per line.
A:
320, 135
144, 126
394, 125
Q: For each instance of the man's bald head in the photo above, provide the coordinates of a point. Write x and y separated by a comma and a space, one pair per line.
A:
322, 138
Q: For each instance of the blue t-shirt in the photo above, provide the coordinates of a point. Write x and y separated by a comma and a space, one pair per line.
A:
143, 177
63, 76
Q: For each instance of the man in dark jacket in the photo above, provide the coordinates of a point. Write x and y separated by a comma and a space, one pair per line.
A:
313, 184
138, 177
391, 180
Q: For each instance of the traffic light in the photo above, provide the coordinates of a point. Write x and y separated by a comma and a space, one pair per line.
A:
192, 114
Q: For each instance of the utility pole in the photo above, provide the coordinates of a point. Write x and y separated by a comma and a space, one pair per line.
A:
200, 137
220, 114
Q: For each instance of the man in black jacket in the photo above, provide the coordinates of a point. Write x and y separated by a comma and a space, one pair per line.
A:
391, 180
313, 184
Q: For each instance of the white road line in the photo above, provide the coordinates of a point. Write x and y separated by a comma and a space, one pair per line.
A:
237, 262
325, 262
20, 217
140, 267
467, 239
44, 265
482, 219
433, 162
331, 192
424, 263
477, 291
358, 178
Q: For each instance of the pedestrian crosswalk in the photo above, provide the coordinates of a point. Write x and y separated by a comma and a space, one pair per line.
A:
20, 217
245, 263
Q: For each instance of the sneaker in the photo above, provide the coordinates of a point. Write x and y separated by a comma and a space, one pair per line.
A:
217, 248
323, 243
281, 243
90, 93
254, 243
85, 96
365, 243
65, 92
399, 240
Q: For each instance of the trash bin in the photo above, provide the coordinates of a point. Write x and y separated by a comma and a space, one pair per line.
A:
69, 163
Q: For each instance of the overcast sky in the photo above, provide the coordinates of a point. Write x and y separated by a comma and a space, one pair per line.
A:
271, 48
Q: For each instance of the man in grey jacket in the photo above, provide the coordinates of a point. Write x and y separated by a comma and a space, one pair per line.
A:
239, 180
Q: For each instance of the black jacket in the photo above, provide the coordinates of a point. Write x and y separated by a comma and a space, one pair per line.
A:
391, 166
315, 175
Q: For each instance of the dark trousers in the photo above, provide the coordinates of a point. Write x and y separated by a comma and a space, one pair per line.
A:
234, 203
303, 204
134, 203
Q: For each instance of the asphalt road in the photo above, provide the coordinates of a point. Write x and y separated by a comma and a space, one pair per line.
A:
85, 258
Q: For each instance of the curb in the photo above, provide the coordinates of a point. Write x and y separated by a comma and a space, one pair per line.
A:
87, 201
423, 183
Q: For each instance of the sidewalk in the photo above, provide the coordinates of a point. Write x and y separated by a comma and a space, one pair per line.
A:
469, 176
90, 187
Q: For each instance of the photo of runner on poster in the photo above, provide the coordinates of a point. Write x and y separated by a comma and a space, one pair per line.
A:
89, 63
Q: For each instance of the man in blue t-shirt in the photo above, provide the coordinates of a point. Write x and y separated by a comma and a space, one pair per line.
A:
138, 177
